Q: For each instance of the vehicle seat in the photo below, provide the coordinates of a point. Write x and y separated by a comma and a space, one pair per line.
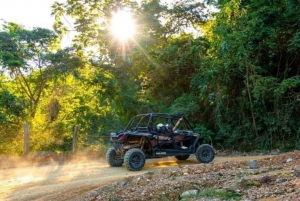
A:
163, 134
154, 130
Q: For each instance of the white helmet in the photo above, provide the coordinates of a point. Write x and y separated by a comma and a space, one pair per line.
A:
159, 126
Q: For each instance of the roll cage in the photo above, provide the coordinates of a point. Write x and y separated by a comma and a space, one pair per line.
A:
148, 122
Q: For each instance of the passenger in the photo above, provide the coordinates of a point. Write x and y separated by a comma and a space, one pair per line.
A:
174, 128
159, 128
177, 124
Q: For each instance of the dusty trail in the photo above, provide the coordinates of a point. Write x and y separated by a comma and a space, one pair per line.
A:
70, 181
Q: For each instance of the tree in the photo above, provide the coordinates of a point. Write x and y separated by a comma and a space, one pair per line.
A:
178, 63
29, 57
133, 60
12, 113
250, 74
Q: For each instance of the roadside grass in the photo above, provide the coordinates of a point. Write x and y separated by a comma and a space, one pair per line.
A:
214, 193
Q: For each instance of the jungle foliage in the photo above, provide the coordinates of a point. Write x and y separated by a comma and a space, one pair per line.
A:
232, 66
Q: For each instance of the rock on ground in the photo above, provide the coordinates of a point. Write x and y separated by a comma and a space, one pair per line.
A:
274, 178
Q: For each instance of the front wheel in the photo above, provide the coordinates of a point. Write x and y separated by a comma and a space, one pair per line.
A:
114, 159
205, 153
134, 159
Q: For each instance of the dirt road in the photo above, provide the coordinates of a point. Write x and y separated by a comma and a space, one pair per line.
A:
70, 181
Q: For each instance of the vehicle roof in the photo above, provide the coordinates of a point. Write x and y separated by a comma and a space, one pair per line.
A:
166, 115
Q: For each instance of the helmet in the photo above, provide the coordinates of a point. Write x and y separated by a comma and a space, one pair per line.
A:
159, 126
168, 126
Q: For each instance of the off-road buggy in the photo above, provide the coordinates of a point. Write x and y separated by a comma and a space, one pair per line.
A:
152, 135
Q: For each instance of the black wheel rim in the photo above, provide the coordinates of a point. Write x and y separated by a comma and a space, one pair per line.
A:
136, 160
205, 153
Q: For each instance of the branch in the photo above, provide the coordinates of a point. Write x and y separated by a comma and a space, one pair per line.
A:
26, 88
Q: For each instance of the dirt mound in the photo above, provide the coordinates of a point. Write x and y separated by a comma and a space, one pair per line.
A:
271, 178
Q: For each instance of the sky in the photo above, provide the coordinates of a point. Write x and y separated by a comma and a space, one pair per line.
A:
29, 13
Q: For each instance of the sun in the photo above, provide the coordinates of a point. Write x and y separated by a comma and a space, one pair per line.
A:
122, 25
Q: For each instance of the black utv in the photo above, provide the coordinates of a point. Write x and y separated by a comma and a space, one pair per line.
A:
156, 135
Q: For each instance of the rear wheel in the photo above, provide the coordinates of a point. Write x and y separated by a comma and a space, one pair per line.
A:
182, 157
113, 158
205, 153
134, 159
